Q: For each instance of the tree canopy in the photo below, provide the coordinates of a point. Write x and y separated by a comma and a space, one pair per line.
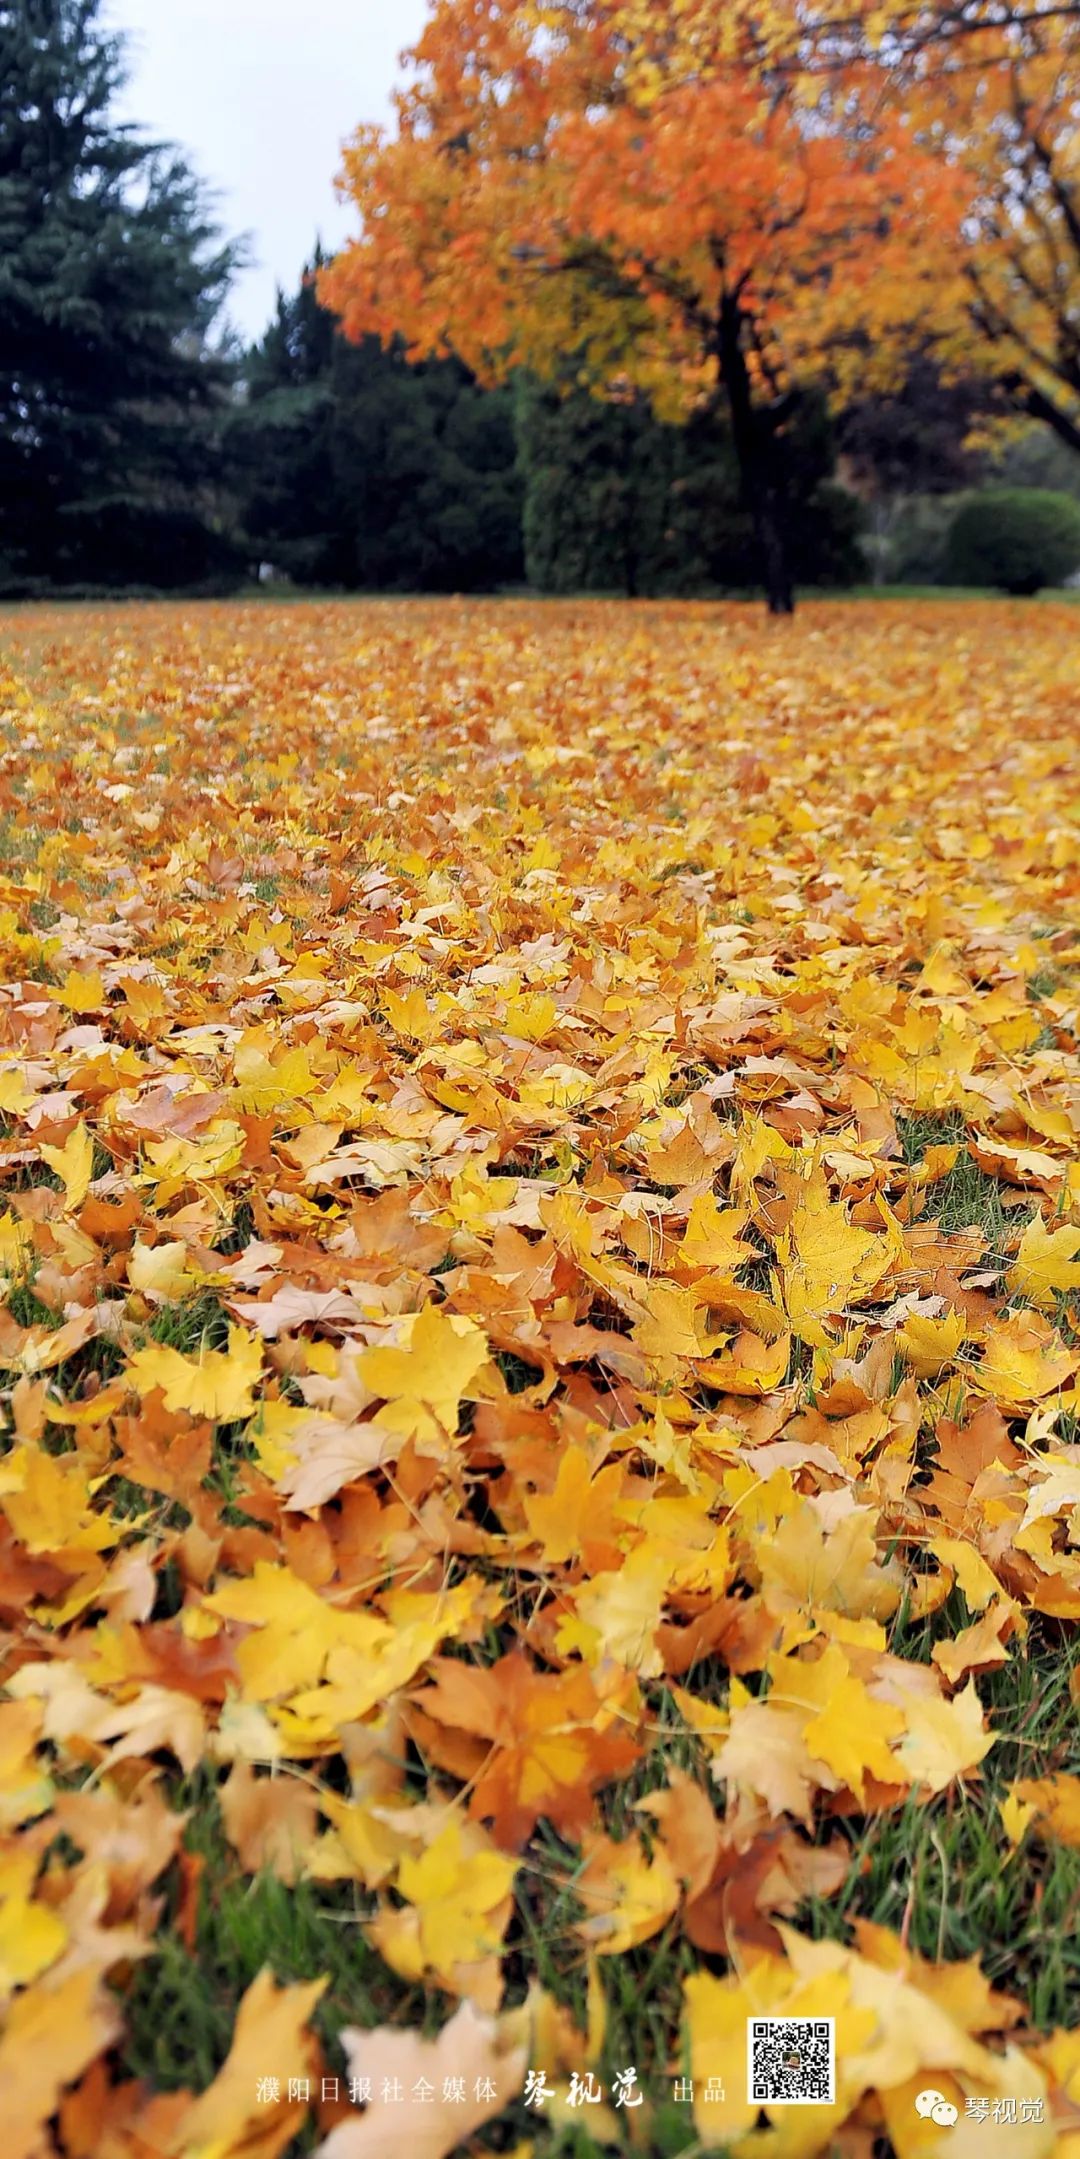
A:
690, 216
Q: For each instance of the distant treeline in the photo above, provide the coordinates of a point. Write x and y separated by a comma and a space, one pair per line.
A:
353, 468
141, 448
349, 468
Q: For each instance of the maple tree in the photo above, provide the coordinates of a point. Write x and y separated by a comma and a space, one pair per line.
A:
653, 196
539, 1273
993, 88
1009, 105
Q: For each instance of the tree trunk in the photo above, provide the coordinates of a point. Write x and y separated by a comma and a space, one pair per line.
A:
1043, 408
760, 462
779, 589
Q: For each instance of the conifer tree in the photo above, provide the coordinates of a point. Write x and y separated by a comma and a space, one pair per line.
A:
112, 274
357, 469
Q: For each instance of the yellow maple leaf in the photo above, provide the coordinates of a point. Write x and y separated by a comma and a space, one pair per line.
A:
171, 1163
751, 1365
975, 1648
163, 1270
846, 1728
943, 1740
458, 1893
1057, 1492
1023, 1361
32, 1935
1045, 1263
807, 1566
82, 992
967, 1565
334, 1666
219, 1384
759, 1145
294, 1630
360, 1677
16, 1249
713, 1236
25, 1788
671, 1323
15, 1095
1017, 1816
530, 1017
825, 1260
411, 1015
264, 1083
628, 1896
74, 1165
144, 1000
562, 1520
765, 1756
1054, 1802
46, 1498
616, 1614
929, 1344
422, 1380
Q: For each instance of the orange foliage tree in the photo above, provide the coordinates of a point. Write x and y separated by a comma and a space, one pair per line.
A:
998, 90
991, 89
659, 192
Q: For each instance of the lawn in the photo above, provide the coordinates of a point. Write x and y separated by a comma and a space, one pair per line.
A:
540, 1326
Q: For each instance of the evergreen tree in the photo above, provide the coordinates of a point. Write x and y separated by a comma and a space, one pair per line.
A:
358, 469
111, 275
282, 442
428, 471
616, 501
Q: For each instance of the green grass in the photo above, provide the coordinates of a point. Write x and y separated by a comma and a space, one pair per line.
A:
941, 1873
945, 1868
967, 1197
239, 1236
193, 1325
517, 1371
180, 2005
937, 592
27, 1309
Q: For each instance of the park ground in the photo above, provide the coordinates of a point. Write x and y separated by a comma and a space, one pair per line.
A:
541, 1337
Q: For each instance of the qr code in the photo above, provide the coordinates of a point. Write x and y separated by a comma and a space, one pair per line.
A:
791, 2061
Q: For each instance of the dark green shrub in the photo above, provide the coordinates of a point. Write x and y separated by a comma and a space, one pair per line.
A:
1017, 538
616, 501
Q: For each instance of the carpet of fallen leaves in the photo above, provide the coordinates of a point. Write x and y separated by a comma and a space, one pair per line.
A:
479, 1334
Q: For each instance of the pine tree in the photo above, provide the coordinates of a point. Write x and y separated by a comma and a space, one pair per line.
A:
357, 469
282, 443
111, 276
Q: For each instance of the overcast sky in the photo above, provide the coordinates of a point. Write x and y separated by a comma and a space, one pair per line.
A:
261, 94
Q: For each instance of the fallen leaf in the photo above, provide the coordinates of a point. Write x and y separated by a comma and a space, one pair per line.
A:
471, 2046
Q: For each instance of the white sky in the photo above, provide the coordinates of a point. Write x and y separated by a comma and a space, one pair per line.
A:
260, 94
